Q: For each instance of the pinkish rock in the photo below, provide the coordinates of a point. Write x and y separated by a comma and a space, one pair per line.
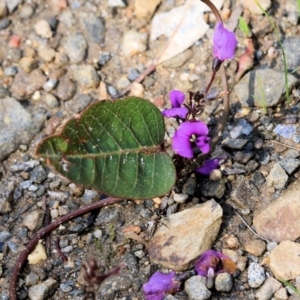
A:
186, 235
279, 221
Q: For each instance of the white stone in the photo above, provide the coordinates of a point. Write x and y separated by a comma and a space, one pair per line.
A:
43, 29
134, 42
37, 255
196, 288
256, 275
116, 3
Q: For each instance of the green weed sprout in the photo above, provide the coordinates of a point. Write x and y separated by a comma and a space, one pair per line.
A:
289, 285
262, 100
281, 47
244, 27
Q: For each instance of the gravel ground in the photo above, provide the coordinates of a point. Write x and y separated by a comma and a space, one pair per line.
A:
57, 57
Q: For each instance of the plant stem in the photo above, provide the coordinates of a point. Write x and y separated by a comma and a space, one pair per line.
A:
221, 125
44, 231
210, 83
213, 9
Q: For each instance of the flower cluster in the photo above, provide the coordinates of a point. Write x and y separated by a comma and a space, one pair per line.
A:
161, 284
209, 264
192, 135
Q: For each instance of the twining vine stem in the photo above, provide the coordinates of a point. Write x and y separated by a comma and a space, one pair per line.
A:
44, 231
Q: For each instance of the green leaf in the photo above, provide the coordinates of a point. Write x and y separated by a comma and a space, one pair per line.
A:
115, 148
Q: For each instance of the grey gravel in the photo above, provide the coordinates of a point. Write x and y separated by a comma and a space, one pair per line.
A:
75, 47
223, 282
4, 235
31, 279
93, 26
256, 275
42, 290
189, 186
289, 164
234, 143
213, 188
277, 177
196, 289
11, 136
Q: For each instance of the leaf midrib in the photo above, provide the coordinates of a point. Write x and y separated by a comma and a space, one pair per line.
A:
143, 150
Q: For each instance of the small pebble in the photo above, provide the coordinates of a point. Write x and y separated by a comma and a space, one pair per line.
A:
65, 287
223, 282
31, 279
232, 243
67, 249
50, 85
196, 289
256, 275
10, 71
180, 198
255, 247
4, 23
26, 11
43, 29
98, 234
50, 100
134, 43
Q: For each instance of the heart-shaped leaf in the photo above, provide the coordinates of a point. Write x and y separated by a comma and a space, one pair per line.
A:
115, 148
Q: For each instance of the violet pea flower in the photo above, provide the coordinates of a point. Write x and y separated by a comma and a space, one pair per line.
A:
211, 263
208, 166
177, 99
224, 43
161, 284
188, 135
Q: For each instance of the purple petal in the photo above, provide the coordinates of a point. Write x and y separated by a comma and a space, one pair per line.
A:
160, 284
209, 165
197, 128
181, 144
181, 140
203, 143
180, 112
224, 42
218, 261
177, 98
209, 259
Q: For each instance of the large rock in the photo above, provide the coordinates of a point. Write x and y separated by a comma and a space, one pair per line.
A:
17, 126
284, 261
186, 235
280, 220
262, 88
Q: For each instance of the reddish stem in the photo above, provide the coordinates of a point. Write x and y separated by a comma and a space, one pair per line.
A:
32, 243
57, 247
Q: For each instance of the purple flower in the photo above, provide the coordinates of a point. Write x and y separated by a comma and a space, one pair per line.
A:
177, 98
224, 42
208, 166
189, 134
211, 263
160, 284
